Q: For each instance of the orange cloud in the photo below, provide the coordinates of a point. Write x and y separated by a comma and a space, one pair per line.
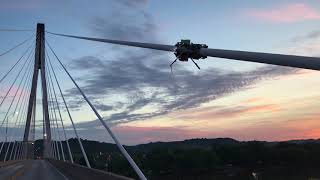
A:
263, 108
253, 100
286, 14
227, 112
280, 129
263, 132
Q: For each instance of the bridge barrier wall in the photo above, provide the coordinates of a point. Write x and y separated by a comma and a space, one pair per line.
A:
78, 172
8, 163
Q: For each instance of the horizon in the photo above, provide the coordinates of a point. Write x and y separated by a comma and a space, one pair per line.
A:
152, 142
136, 93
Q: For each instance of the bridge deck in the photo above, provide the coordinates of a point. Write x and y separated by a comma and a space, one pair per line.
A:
31, 169
52, 170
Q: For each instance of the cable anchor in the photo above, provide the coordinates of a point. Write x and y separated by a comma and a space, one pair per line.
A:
186, 50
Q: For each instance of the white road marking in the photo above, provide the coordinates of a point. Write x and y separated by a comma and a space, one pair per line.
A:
57, 171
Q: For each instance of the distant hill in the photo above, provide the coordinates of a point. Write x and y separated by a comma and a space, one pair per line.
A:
219, 158
96, 146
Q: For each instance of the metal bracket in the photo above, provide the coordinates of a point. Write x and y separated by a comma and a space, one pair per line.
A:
186, 50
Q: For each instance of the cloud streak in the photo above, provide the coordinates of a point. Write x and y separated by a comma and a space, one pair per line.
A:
308, 36
306, 44
305, 128
137, 83
143, 85
218, 112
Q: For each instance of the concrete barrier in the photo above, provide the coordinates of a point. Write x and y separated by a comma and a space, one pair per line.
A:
8, 163
78, 172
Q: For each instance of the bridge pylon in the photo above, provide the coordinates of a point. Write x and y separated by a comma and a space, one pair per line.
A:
39, 64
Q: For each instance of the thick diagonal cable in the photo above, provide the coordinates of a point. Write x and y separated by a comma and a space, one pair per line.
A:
50, 69
126, 43
24, 77
11, 88
21, 57
70, 117
202, 51
55, 120
121, 148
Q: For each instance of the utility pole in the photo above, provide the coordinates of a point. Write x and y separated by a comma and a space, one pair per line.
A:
38, 65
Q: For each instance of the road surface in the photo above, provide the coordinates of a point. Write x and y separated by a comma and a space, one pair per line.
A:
31, 170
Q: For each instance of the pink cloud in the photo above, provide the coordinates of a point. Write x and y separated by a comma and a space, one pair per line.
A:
13, 91
137, 135
286, 14
264, 132
304, 127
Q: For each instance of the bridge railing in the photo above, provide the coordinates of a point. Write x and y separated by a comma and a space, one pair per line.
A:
75, 171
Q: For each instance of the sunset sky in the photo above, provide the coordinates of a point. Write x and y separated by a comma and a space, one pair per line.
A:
134, 89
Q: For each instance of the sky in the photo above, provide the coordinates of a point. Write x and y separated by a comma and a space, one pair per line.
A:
142, 100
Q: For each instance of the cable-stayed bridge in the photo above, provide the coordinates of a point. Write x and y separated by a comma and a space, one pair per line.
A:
36, 70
